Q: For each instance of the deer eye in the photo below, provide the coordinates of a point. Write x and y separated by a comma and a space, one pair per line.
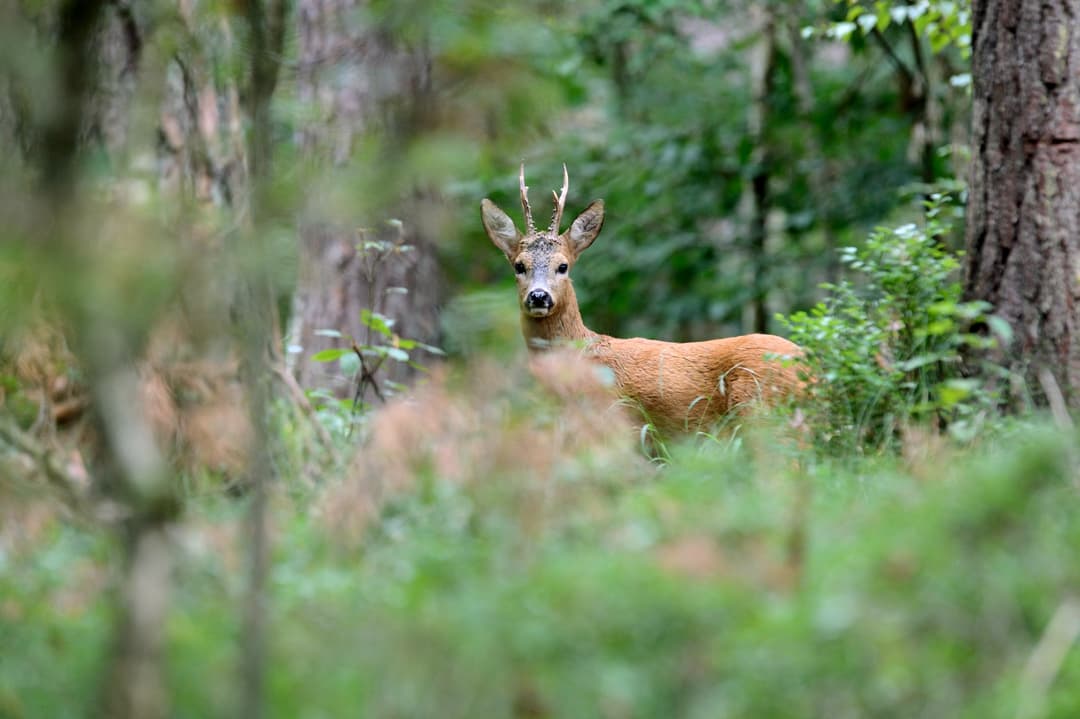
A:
563, 268
519, 267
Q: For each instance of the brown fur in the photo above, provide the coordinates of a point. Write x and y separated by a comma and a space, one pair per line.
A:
688, 386
680, 387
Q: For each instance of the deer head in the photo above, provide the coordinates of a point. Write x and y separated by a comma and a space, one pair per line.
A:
542, 258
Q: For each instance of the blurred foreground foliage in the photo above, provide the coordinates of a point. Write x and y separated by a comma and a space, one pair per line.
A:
746, 578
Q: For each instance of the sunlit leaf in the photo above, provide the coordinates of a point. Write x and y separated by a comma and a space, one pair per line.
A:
329, 355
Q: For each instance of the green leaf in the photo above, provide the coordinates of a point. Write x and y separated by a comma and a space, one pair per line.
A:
955, 391
917, 362
962, 79
1000, 327
349, 364
883, 18
373, 246
397, 353
939, 41
940, 327
914, 12
843, 30
329, 355
379, 323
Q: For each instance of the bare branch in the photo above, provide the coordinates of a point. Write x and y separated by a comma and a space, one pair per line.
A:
301, 401
70, 487
903, 69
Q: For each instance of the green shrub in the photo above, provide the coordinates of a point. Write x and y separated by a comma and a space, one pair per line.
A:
886, 348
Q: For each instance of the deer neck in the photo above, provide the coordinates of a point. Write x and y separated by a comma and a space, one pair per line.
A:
562, 326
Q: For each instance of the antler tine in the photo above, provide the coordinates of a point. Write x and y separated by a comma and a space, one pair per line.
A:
525, 201
560, 202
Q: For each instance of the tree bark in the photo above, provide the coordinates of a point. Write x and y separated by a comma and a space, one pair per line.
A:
357, 79
1023, 226
200, 153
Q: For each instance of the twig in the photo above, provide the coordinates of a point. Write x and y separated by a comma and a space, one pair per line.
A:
301, 401
54, 472
1058, 409
903, 69
367, 377
1060, 412
916, 49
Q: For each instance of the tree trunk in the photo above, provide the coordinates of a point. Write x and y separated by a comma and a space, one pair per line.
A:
200, 150
97, 53
1023, 226
757, 198
358, 80
102, 76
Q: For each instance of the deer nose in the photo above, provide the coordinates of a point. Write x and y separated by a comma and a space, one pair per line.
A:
538, 299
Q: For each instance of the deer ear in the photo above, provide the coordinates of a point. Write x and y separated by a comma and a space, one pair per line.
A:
586, 227
500, 228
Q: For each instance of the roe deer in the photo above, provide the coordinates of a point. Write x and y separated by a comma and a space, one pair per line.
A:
680, 386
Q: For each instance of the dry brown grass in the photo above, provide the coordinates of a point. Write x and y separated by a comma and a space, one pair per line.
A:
192, 397
527, 427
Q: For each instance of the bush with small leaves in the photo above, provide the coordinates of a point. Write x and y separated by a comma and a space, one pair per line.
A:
887, 347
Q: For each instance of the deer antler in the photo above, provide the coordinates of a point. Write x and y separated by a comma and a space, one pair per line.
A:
560, 202
530, 227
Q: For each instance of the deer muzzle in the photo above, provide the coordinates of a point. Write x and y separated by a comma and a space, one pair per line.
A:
538, 303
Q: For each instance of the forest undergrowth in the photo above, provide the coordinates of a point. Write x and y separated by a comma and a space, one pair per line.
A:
504, 547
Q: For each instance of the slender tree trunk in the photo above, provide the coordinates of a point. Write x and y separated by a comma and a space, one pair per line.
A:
927, 110
266, 22
757, 199
357, 80
97, 53
136, 684
802, 87
1023, 226
98, 62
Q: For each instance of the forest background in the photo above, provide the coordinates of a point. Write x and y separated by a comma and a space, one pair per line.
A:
238, 236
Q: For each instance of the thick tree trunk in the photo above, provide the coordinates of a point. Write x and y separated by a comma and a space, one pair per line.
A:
201, 146
1023, 228
356, 79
